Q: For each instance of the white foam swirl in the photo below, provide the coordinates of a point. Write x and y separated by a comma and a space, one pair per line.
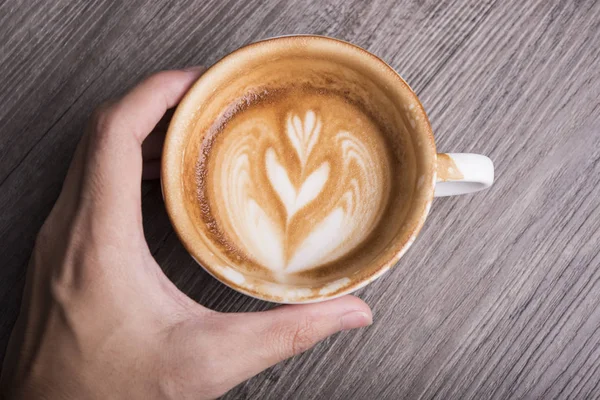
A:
353, 219
294, 199
254, 229
357, 192
303, 134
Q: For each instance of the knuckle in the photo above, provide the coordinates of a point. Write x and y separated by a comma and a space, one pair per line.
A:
297, 338
304, 336
158, 78
101, 112
104, 119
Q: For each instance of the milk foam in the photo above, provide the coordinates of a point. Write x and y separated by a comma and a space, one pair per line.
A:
303, 137
297, 187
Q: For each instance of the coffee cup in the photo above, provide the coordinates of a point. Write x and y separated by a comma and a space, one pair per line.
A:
301, 168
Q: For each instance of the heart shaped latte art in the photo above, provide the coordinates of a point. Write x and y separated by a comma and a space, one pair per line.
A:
298, 196
303, 137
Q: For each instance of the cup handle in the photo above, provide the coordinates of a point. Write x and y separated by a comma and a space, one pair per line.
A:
461, 173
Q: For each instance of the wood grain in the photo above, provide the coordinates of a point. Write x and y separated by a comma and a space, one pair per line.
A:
498, 298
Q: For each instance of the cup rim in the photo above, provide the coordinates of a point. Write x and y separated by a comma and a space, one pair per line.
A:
171, 186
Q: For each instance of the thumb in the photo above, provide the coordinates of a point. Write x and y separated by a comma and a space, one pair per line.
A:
266, 338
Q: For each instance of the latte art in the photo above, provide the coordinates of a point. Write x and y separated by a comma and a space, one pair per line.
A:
295, 185
298, 169
303, 137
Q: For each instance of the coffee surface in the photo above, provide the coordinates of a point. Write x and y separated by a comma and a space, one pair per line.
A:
295, 169
294, 179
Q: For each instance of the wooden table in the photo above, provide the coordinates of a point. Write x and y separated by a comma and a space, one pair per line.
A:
498, 298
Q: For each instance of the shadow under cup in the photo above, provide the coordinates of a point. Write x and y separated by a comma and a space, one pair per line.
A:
321, 64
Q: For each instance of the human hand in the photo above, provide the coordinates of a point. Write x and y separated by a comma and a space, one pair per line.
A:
99, 319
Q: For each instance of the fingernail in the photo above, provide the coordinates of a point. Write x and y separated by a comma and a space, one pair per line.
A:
355, 319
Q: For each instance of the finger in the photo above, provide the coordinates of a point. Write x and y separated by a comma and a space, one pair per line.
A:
266, 338
140, 110
114, 167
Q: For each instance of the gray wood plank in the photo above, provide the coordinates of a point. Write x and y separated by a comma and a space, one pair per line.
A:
498, 298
